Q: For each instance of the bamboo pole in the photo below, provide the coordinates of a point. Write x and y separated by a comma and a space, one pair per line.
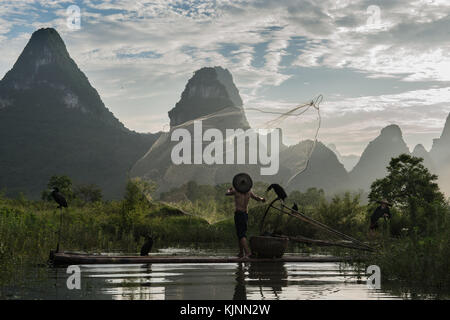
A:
60, 227
326, 243
320, 225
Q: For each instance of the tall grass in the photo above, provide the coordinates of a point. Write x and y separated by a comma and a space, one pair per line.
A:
29, 230
417, 263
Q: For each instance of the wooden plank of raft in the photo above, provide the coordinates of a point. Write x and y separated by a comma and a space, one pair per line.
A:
68, 259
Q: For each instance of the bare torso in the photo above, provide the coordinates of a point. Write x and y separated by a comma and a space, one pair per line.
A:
241, 199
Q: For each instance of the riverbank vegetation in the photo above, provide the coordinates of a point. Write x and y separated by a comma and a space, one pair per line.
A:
416, 251
412, 247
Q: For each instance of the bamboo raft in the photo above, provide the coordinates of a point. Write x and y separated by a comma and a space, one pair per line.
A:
63, 258
265, 247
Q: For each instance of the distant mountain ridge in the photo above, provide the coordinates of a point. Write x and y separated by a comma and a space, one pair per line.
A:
210, 90
323, 171
45, 63
53, 122
440, 156
420, 152
349, 161
375, 158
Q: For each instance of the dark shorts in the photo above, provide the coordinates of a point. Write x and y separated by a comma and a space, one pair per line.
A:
240, 221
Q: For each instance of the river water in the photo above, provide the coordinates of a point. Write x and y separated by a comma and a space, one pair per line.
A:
253, 281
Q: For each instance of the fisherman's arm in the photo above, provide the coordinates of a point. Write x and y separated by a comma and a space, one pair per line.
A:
255, 197
230, 192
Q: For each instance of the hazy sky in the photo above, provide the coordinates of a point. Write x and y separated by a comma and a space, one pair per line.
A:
375, 62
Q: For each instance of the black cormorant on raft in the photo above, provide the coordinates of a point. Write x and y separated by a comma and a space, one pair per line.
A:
147, 246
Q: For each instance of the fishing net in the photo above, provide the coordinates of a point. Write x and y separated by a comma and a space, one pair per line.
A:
298, 121
293, 115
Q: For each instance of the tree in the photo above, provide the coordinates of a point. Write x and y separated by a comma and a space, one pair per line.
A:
311, 198
342, 212
410, 186
63, 183
136, 202
138, 191
88, 193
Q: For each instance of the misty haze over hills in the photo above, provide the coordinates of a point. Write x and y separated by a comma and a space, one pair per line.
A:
376, 156
349, 161
53, 122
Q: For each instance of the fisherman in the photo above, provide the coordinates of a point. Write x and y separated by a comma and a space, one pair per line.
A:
242, 185
381, 211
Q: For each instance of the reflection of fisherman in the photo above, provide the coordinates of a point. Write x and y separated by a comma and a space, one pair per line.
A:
242, 184
240, 292
381, 211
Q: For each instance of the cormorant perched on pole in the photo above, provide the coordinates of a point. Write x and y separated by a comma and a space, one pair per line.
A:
147, 246
281, 194
62, 202
59, 198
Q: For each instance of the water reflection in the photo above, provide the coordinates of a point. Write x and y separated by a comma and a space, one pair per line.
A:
240, 290
241, 281
272, 275
269, 277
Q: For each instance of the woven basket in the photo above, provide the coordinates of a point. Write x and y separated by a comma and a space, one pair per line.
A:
268, 247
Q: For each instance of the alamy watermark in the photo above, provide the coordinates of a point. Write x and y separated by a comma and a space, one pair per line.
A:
73, 21
74, 280
374, 280
374, 13
221, 150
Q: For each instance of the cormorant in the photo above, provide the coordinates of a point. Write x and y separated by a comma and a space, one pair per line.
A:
147, 246
58, 197
295, 207
281, 194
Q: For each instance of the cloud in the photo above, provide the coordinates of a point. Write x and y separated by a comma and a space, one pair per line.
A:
410, 40
139, 54
351, 123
